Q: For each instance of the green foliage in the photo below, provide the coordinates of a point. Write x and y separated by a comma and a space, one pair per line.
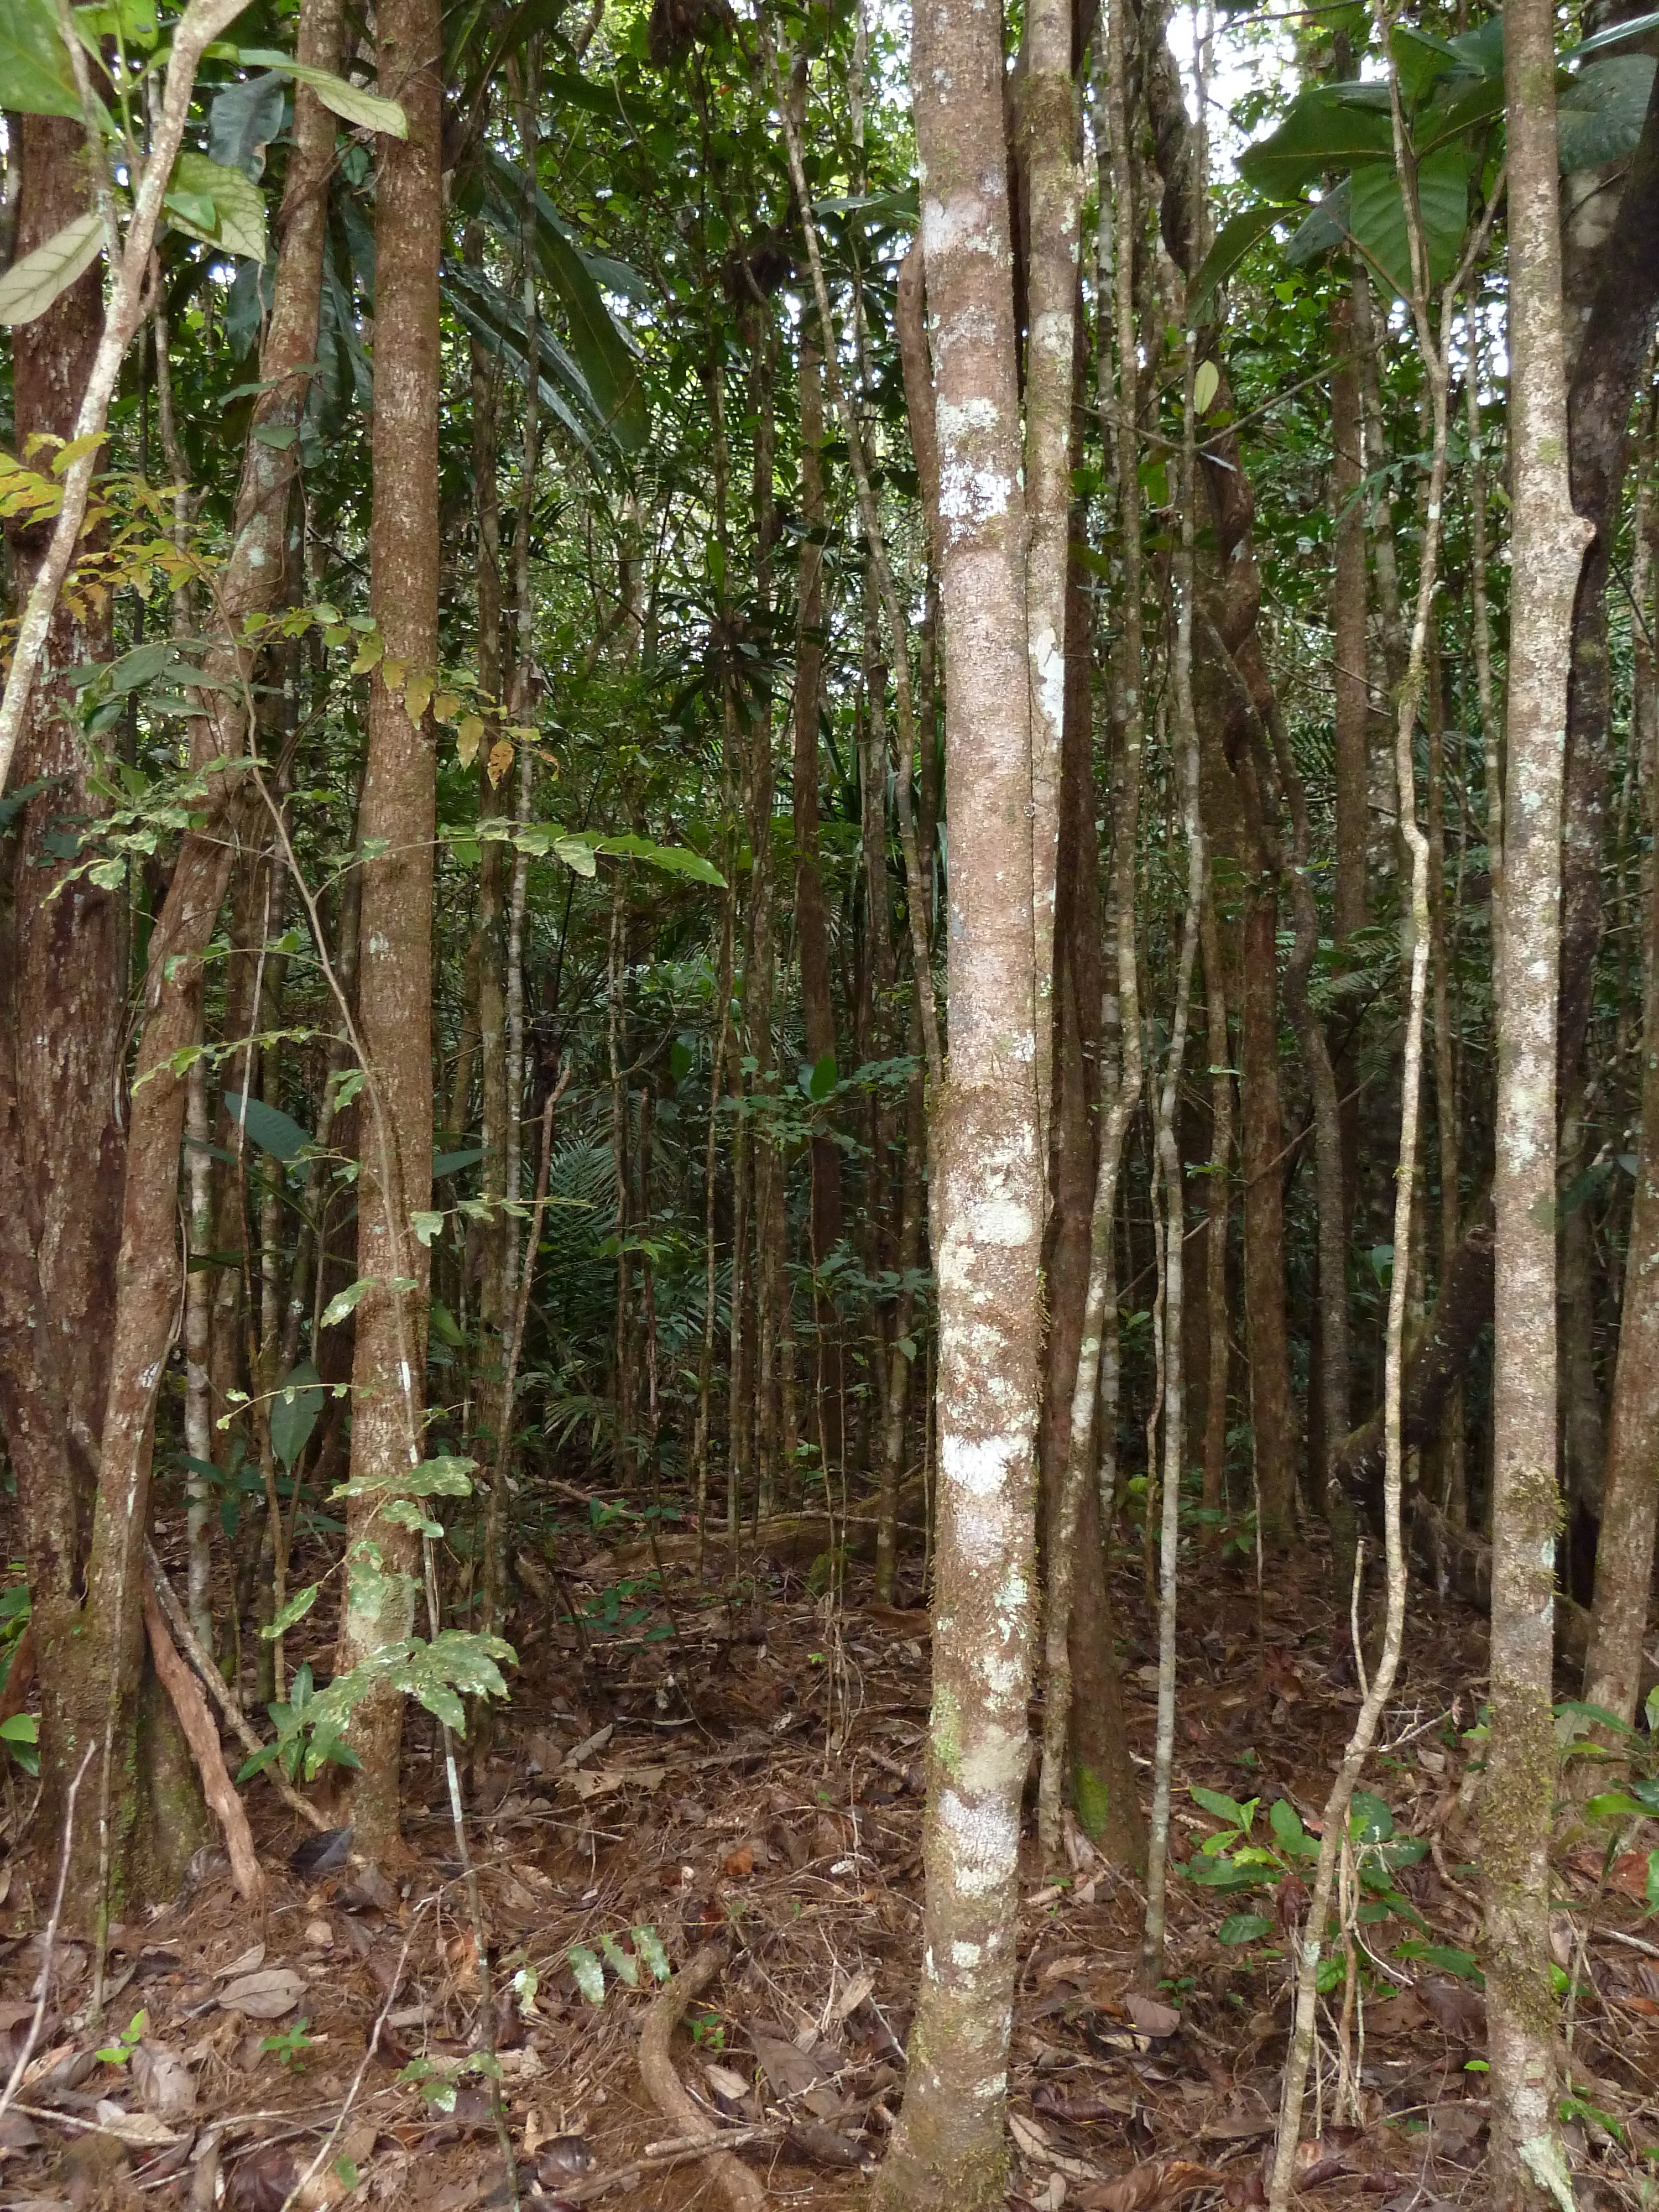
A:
291, 2046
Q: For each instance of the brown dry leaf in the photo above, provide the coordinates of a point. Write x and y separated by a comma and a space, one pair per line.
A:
264, 1995
789, 2071
823, 2146
1157, 2184
1400, 2014
164, 2082
501, 759
1035, 2143
1150, 2016
862, 1986
606, 1781
141, 2130
561, 2158
725, 2082
1460, 2010
740, 1864
244, 1962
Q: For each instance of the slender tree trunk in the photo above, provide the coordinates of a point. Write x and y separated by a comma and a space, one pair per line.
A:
62, 991
1350, 671
146, 1273
1629, 1490
1217, 1209
397, 817
948, 2144
1547, 549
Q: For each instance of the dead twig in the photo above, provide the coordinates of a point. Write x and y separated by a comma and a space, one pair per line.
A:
34, 2035
673, 2150
196, 1721
742, 2190
191, 1645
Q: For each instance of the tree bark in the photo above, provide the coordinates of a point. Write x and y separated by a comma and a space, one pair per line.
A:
397, 820
1547, 551
948, 2144
62, 999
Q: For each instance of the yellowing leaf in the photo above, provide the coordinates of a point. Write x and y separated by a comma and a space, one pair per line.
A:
235, 206
369, 653
66, 456
444, 706
467, 739
418, 697
1205, 385
501, 759
394, 674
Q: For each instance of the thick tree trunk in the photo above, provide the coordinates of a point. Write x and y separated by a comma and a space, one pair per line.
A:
62, 1000
948, 2144
1547, 551
397, 818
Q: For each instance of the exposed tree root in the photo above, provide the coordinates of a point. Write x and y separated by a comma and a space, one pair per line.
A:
742, 2190
203, 1738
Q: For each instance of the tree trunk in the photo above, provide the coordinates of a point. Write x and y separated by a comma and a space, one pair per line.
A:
1546, 550
397, 818
63, 992
948, 2143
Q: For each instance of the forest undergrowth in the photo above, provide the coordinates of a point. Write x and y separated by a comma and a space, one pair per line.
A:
690, 1768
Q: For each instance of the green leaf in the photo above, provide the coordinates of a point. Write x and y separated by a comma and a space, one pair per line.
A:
1370, 1820
1377, 216
34, 68
1287, 1824
235, 208
819, 1080
1325, 227
1221, 1807
1244, 1928
623, 1963
243, 120
674, 859
448, 1163
1235, 240
589, 1973
1445, 1959
20, 1728
1614, 1805
1600, 113
29, 286
350, 102
1207, 382
296, 1609
648, 1944
1321, 131
295, 1411
268, 1126
426, 1225
345, 1301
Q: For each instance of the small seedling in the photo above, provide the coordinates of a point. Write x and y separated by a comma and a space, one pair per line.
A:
292, 2047
120, 2052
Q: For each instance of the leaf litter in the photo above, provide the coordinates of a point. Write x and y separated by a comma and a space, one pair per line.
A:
758, 1769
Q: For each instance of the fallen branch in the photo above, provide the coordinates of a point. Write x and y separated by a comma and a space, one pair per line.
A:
33, 2036
202, 1660
673, 2150
742, 2190
203, 1738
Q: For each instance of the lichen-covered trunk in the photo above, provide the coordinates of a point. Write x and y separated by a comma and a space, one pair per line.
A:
396, 820
1547, 547
62, 997
948, 2146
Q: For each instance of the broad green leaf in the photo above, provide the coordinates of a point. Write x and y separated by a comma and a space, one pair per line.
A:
1377, 216
1326, 226
675, 858
29, 286
1600, 113
296, 1609
1287, 1824
243, 120
1614, 1805
268, 1126
819, 1080
350, 102
35, 76
20, 1728
1233, 242
1445, 1959
1207, 382
1370, 1820
1244, 1928
345, 1301
1321, 131
426, 1225
295, 1410
235, 208
1221, 1807
1636, 26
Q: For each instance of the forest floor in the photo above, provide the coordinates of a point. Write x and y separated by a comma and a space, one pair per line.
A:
756, 1769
